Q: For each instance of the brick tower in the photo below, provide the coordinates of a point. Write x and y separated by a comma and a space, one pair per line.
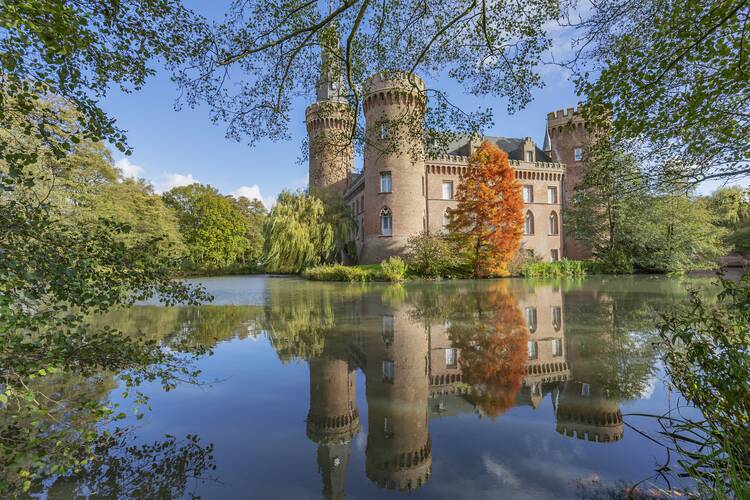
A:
568, 137
394, 106
333, 420
399, 449
329, 129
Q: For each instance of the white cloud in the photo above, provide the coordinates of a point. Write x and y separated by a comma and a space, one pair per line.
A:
502, 473
253, 193
127, 169
169, 180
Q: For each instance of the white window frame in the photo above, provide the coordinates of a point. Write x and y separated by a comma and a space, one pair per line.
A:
448, 195
389, 370
528, 224
552, 195
386, 182
528, 193
451, 357
557, 348
386, 215
531, 346
578, 154
554, 224
530, 156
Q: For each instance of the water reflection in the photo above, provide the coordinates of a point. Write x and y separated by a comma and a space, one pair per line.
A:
431, 351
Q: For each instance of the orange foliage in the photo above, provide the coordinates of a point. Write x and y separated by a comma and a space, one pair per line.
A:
493, 351
489, 215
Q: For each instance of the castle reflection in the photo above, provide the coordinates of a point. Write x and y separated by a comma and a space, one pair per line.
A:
425, 356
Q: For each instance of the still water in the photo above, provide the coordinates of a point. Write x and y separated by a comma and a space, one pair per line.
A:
463, 389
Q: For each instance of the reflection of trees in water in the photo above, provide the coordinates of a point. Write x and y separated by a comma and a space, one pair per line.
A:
163, 469
491, 337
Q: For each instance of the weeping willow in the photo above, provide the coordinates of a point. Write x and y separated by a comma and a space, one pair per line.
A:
305, 230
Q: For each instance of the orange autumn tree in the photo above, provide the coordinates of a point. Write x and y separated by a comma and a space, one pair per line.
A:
488, 218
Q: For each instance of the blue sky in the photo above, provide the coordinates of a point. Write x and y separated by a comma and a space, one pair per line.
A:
175, 148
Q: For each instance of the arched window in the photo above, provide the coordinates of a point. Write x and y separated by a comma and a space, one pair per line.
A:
553, 224
528, 223
446, 220
386, 222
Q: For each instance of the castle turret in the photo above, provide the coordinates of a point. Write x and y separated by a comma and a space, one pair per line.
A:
584, 412
333, 420
569, 138
394, 171
399, 450
329, 128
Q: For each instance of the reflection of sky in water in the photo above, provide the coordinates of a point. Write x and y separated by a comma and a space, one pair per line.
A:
256, 414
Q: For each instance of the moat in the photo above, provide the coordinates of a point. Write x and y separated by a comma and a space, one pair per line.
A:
459, 389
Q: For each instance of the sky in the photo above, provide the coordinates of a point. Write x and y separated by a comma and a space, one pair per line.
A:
173, 148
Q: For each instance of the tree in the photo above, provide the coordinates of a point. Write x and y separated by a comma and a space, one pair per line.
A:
672, 74
213, 227
488, 218
433, 256
338, 214
255, 213
731, 208
300, 233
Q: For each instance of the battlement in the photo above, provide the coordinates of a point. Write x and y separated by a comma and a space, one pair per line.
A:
540, 165
397, 80
451, 159
333, 429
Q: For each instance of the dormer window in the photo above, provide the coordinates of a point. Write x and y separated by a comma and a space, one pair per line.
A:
530, 156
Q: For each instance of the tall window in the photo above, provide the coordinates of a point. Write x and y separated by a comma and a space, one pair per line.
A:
552, 195
578, 154
528, 223
531, 319
556, 317
385, 182
389, 370
447, 190
532, 349
530, 156
557, 347
386, 222
387, 330
451, 357
384, 131
554, 254
528, 194
553, 225
446, 220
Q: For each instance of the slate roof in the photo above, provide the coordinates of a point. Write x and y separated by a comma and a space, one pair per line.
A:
511, 145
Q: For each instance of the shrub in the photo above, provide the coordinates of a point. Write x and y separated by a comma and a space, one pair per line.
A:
337, 272
433, 256
393, 269
559, 269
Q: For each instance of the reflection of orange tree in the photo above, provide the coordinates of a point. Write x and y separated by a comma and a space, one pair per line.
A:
492, 342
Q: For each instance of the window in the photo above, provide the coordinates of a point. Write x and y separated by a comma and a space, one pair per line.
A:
387, 427
532, 349
386, 223
578, 154
385, 182
446, 220
552, 195
528, 194
389, 369
450, 357
530, 156
528, 224
387, 330
585, 390
531, 318
557, 347
447, 190
553, 226
556, 317
555, 255
384, 131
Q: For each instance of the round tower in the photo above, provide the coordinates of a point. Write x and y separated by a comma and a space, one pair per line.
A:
399, 449
333, 420
394, 106
583, 411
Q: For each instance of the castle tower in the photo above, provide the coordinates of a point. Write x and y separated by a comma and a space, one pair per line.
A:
584, 412
329, 128
394, 170
569, 138
333, 420
399, 450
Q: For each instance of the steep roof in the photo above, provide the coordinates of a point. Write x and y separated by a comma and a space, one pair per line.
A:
511, 145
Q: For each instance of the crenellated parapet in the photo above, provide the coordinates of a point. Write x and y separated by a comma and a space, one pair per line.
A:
585, 414
403, 471
396, 88
333, 428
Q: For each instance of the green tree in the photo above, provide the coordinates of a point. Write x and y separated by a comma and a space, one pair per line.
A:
255, 213
303, 231
212, 226
731, 207
672, 74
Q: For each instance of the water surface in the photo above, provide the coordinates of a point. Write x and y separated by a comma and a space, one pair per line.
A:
460, 389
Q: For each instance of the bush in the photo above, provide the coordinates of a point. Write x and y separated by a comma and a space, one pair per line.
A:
337, 272
434, 256
559, 269
393, 269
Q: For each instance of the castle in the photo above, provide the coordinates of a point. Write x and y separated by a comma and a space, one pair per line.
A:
401, 191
